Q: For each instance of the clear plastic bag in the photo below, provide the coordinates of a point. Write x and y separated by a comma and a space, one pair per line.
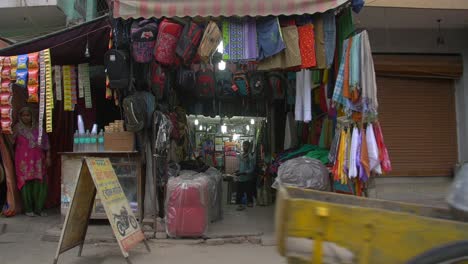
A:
303, 172
458, 198
187, 206
216, 193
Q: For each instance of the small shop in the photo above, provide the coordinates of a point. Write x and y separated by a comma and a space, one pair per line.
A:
205, 109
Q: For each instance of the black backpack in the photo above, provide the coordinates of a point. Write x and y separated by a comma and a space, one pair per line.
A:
257, 84
121, 33
138, 109
118, 69
224, 84
186, 80
278, 84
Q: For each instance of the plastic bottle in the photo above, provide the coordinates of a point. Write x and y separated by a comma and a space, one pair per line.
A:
101, 141
87, 141
93, 142
76, 142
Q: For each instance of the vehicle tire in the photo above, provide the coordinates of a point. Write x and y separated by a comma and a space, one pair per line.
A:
133, 222
450, 253
121, 228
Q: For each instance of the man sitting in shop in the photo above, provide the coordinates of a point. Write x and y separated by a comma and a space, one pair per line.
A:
245, 177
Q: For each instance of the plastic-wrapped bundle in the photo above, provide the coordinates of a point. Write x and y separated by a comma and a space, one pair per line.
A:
187, 206
303, 172
216, 194
458, 198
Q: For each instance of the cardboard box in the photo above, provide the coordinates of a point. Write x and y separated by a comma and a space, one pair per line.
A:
119, 141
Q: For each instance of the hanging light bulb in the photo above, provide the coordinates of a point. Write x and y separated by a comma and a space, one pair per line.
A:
224, 129
235, 137
201, 127
247, 127
222, 65
252, 121
87, 54
196, 122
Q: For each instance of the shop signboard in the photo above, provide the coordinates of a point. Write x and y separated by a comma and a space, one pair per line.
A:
97, 176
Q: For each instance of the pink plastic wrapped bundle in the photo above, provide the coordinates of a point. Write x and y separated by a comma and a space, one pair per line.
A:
187, 207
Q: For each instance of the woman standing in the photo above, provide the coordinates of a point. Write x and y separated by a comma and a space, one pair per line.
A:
31, 162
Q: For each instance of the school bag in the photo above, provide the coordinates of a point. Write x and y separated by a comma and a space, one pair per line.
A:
158, 80
257, 84
278, 84
224, 84
186, 80
166, 43
188, 43
240, 83
210, 41
118, 70
143, 36
138, 110
205, 84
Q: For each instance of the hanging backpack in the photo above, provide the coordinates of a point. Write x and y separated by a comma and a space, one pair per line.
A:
186, 80
121, 33
158, 80
188, 43
138, 109
166, 43
257, 84
240, 83
210, 41
143, 36
117, 63
278, 84
205, 84
224, 84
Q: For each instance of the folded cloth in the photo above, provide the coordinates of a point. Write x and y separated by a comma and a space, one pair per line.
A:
289, 57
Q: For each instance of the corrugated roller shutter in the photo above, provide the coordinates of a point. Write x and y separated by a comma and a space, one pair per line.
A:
419, 124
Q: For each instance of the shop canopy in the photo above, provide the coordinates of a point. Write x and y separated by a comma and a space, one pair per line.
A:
215, 8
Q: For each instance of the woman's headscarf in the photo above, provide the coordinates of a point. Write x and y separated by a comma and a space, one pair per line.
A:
24, 130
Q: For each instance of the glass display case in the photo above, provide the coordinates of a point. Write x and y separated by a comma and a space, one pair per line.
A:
128, 168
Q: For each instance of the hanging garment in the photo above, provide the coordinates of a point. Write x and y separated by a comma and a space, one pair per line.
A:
290, 57
383, 152
343, 151
338, 91
329, 28
355, 63
364, 173
368, 80
346, 90
334, 147
353, 173
270, 40
345, 27
303, 96
290, 133
374, 161
240, 39
320, 43
307, 46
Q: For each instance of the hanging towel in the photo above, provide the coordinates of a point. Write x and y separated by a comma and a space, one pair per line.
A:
364, 173
338, 91
353, 173
303, 96
270, 40
290, 57
368, 81
329, 28
374, 161
320, 43
383, 152
307, 46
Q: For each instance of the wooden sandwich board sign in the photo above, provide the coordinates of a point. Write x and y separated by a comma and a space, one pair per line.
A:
98, 176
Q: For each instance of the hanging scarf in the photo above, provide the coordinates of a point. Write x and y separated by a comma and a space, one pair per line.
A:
374, 160
364, 158
383, 152
353, 173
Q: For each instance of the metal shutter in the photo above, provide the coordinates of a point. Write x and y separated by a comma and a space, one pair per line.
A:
418, 119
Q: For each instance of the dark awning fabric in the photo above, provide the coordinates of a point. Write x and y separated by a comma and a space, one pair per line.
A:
68, 46
193, 8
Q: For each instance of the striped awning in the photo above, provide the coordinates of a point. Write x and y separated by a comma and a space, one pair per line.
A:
193, 8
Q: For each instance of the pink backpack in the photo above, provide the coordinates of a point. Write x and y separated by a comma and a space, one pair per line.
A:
166, 44
143, 37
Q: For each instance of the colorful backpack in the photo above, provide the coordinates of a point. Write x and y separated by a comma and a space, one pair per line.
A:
143, 34
166, 43
205, 84
210, 41
224, 84
188, 43
278, 84
257, 84
240, 83
158, 80
118, 70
